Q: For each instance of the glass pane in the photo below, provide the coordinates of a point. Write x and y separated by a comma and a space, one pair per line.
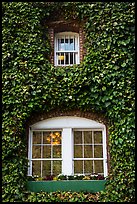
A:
37, 137
77, 137
98, 151
57, 168
60, 57
46, 138
36, 151
36, 168
62, 45
78, 167
98, 166
66, 44
56, 138
78, 151
46, 151
67, 58
58, 44
88, 167
98, 137
88, 137
71, 46
46, 170
57, 151
71, 58
88, 152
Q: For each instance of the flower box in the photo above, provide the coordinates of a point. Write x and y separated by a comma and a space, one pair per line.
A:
92, 186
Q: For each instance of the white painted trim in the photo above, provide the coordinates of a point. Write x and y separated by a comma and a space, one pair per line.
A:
30, 153
67, 122
67, 153
68, 34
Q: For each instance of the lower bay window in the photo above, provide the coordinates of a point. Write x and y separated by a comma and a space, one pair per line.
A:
67, 145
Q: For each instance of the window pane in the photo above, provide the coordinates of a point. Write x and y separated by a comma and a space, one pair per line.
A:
98, 151
37, 137
88, 137
98, 137
88, 151
57, 169
57, 151
98, 166
78, 151
36, 168
66, 44
46, 170
88, 167
62, 45
71, 58
71, 46
78, 167
46, 151
56, 138
46, 138
77, 137
67, 58
36, 151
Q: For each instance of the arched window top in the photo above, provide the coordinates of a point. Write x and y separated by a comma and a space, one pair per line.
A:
67, 122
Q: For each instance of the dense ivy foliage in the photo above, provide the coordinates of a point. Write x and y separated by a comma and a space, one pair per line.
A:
104, 82
62, 197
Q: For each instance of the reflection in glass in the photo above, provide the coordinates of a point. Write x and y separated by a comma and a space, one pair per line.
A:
46, 168
46, 138
36, 151
98, 151
78, 167
47, 151
77, 137
88, 137
98, 137
88, 167
98, 166
56, 167
37, 137
57, 151
88, 151
36, 168
78, 151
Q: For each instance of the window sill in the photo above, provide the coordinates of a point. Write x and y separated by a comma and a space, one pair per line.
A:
92, 186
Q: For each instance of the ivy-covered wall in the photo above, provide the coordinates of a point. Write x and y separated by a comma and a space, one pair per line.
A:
104, 82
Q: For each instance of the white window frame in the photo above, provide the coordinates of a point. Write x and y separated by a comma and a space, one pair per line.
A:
68, 124
66, 35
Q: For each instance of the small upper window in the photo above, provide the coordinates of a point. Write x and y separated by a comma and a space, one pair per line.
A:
66, 49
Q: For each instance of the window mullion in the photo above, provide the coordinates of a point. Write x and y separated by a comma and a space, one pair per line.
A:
83, 150
51, 155
93, 150
67, 151
41, 153
30, 152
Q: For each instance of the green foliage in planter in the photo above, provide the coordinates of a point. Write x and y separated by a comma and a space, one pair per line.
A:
104, 82
66, 177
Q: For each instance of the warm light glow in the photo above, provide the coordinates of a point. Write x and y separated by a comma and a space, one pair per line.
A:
61, 57
56, 138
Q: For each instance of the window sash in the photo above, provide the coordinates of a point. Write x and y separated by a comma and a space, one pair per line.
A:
67, 158
69, 56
